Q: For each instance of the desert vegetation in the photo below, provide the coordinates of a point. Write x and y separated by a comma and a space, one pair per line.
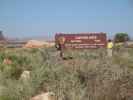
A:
90, 75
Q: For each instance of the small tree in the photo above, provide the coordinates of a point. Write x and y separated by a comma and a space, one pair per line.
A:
1, 36
121, 37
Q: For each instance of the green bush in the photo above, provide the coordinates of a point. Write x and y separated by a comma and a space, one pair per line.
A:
121, 37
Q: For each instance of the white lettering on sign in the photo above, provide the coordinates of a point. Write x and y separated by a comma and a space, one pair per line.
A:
97, 40
92, 37
77, 41
81, 37
84, 44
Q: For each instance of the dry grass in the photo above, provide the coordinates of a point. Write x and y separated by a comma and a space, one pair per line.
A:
90, 75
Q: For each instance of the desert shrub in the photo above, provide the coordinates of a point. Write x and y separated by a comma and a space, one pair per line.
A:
121, 37
91, 75
19, 63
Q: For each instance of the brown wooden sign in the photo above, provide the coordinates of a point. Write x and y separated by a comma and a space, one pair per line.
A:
81, 41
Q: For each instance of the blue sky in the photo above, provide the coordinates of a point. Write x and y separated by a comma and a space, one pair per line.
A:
27, 18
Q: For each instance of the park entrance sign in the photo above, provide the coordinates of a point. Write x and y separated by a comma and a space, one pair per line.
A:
81, 40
